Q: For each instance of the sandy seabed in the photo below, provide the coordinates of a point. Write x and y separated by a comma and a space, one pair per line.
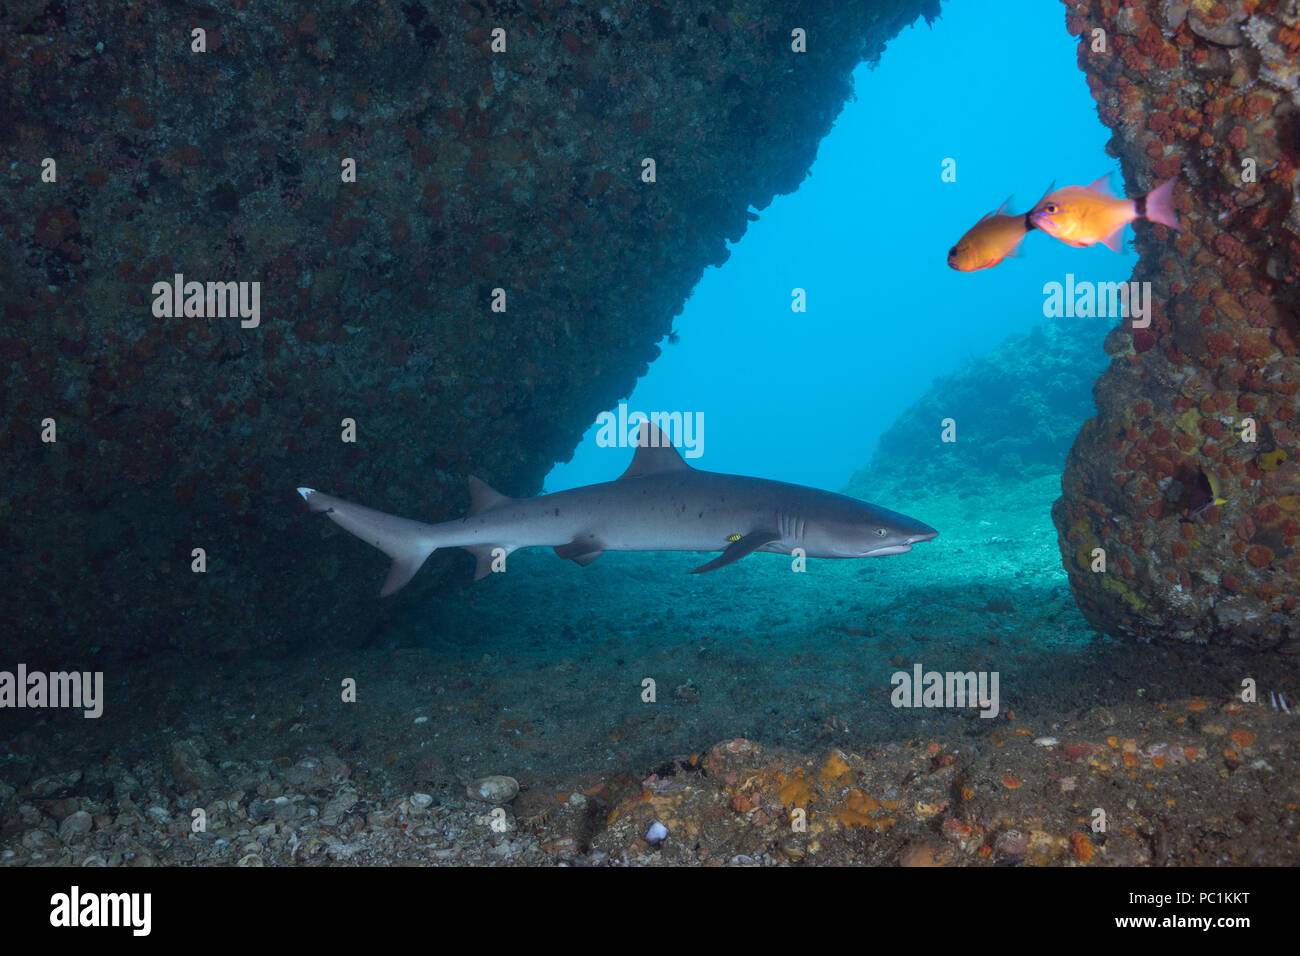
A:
772, 696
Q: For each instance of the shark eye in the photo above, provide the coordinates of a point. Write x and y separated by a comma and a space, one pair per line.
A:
880, 532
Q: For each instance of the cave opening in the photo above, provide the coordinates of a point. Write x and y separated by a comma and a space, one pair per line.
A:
805, 396
892, 342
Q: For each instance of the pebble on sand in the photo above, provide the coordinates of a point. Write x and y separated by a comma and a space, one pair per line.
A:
656, 833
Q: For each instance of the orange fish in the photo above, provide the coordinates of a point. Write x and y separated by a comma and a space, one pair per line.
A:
989, 241
1086, 215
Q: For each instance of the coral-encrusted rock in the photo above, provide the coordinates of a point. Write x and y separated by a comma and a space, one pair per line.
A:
518, 170
1020, 428
1207, 98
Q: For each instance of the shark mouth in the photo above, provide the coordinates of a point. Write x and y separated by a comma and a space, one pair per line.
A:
891, 549
904, 547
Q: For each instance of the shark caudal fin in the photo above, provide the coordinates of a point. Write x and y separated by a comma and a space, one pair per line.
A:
408, 543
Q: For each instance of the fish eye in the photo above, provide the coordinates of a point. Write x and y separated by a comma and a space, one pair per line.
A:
952, 252
881, 532
1051, 207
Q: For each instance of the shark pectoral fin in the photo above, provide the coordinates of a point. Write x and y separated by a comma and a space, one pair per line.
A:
583, 559
582, 551
738, 549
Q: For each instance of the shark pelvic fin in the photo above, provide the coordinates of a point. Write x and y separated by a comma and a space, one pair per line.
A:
483, 497
655, 454
581, 550
484, 555
738, 549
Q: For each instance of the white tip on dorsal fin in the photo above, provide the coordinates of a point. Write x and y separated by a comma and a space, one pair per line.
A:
482, 497
1102, 186
655, 454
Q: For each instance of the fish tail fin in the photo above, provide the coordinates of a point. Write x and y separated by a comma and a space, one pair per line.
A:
1158, 205
408, 543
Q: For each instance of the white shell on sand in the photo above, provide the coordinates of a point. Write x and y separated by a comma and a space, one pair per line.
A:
495, 789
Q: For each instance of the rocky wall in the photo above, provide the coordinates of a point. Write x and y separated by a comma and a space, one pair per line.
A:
519, 169
1199, 523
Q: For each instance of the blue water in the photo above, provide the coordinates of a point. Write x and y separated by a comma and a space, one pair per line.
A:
803, 397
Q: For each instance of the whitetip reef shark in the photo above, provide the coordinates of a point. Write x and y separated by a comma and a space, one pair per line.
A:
659, 504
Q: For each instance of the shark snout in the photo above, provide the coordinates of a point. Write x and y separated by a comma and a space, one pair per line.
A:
928, 534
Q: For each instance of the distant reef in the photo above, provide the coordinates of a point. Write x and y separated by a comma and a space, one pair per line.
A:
497, 274
1208, 93
1014, 415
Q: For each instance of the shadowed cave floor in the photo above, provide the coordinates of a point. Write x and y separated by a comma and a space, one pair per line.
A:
772, 695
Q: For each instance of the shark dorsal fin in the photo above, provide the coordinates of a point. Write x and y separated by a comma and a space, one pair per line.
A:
482, 497
655, 454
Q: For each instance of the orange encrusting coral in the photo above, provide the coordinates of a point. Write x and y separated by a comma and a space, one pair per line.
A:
1223, 340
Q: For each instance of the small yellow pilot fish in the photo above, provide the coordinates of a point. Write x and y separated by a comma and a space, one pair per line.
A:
989, 241
1086, 215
